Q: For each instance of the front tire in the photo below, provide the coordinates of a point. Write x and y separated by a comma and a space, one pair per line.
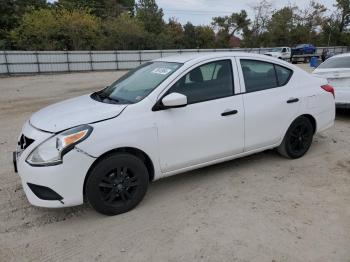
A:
117, 183
298, 139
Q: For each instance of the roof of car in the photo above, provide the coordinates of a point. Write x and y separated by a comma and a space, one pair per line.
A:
183, 58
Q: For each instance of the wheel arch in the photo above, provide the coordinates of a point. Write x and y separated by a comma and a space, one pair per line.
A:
131, 150
312, 121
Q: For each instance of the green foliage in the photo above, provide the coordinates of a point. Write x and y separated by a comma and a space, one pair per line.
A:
189, 36
124, 24
205, 37
62, 29
122, 33
100, 8
11, 12
148, 13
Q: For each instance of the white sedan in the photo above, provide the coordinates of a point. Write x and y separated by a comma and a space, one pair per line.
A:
166, 117
337, 71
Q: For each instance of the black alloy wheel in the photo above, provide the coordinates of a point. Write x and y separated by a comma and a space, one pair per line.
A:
298, 138
117, 183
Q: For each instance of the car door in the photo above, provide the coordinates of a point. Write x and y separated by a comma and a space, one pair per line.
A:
284, 52
270, 102
211, 126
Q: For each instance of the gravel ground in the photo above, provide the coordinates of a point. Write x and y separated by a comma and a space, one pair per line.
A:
259, 208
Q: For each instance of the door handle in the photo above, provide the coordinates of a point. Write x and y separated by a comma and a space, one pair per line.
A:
227, 113
292, 100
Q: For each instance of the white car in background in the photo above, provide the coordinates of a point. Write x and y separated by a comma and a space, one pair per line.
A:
336, 70
284, 53
166, 117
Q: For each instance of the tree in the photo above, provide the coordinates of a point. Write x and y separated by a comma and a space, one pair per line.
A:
343, 7
281, 25
100, 8
175, 33
205, 37
256, 36
190, 36
308, 21
232, 24
148, 13
52, 29
228, 26
11, 12
123, 33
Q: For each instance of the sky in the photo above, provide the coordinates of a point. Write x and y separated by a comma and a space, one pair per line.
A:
201, 11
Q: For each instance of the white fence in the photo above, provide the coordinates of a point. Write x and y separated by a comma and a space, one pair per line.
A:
34, 62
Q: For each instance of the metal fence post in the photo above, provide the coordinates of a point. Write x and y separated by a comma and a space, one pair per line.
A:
37, 61
67, 58
7, 63
91, 65
161, 53
140, 59
116, 59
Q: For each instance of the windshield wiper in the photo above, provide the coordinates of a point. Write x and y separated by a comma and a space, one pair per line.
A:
100, 96
115, 100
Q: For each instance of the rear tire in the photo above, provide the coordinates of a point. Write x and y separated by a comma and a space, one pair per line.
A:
298, 139
117, 183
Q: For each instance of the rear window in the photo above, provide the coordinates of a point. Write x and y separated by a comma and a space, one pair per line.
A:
336, 62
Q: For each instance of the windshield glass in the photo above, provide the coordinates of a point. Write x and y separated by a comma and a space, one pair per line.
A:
277, 49
300, 46
336, 62
137, 83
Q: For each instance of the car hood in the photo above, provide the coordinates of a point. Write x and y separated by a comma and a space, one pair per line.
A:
273, 53
73, 112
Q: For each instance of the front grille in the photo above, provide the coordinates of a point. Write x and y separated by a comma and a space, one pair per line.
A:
24, 142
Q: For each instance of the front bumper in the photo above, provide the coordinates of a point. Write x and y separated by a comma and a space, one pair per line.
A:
66, 179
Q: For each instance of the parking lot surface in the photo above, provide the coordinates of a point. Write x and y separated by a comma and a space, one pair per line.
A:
258, 208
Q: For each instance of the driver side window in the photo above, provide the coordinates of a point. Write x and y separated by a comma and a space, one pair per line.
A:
206, 82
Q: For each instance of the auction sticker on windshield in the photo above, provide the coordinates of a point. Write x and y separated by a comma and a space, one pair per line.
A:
161, 71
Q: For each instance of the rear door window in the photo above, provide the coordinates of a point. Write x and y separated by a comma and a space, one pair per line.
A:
260, 75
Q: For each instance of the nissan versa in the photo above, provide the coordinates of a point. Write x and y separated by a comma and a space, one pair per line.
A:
166, 117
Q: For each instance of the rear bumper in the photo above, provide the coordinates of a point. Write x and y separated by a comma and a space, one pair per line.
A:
342, 96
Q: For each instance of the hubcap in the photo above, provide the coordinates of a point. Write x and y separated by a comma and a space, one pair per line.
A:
118, 186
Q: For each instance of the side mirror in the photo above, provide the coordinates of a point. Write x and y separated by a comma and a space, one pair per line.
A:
174, 100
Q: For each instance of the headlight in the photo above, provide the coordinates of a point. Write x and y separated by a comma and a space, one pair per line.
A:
51, 151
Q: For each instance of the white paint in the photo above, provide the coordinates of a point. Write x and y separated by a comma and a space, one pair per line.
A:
176, 139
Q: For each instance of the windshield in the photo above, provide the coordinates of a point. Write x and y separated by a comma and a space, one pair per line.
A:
277, 49
336, 62
137, 83
300, 46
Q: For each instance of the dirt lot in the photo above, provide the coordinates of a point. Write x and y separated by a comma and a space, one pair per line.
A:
259, 208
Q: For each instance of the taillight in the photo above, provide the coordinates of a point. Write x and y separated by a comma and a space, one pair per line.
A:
328, 88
